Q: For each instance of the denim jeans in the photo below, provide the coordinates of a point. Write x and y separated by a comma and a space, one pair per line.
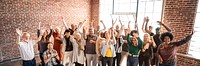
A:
29, 62
107, 60
118, 58
132, 61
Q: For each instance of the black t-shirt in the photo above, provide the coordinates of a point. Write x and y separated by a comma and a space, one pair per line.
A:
151, 34
157, 40
69, 46
147, 54
71, 31
125, 45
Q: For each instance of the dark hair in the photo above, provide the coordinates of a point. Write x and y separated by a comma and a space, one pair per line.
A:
166, 34
133, 31
67, 30
103, 34
50, 42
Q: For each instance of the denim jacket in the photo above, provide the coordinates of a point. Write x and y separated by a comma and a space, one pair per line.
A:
105, 48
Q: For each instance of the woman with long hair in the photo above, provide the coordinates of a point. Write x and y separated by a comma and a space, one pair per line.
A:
146, 54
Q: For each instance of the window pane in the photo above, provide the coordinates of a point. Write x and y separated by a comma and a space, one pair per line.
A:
194, 48
125, 6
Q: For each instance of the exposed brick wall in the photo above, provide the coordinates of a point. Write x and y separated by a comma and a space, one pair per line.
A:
184, 60
25, 14
95, 12
180, 16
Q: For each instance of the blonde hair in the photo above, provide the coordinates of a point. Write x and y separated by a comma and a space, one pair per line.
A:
146, 40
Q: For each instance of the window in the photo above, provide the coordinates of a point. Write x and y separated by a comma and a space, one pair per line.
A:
194, 49
126, 10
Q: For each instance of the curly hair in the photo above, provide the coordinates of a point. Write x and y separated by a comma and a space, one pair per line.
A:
166, 34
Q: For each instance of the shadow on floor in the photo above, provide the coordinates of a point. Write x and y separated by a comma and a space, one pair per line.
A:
17, 62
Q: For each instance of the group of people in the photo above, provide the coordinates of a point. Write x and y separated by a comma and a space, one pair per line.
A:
80, 46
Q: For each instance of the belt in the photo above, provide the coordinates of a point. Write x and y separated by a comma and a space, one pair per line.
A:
134, 55
29, 60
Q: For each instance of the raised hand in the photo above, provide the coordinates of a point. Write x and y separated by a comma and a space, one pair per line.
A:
80, 23
39, 25
146, 19
159, 22
101, 21
84, 30
122, 27
19, 32
129, 22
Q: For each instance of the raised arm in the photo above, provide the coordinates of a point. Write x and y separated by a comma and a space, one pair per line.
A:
184, 40
146, 26
140, 42
84, 33
113, 36
136, 27
129, 24
153, 43
81, 24
51, 32
38, 31
120, 22
128, 36
143, 25
121, 30
64, 23
166, 27
104, 26
19, 32
113, 22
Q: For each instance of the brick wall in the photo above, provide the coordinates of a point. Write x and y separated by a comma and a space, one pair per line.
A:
185, 60
180, 16
25, 14
95, 12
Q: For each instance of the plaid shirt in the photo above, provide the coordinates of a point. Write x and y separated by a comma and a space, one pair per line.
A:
53, 59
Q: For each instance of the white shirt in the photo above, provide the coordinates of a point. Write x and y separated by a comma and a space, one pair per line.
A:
26, 50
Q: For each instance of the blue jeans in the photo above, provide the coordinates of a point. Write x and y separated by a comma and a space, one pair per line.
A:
107, 60
29, 62
132, 61
166, 64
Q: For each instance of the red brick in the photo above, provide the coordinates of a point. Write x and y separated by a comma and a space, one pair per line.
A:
26, 14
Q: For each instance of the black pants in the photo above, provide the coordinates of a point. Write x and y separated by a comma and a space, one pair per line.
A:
58, 65
118, 58
107, 60
78, 64
144, 61
42, 59
29, 62
154, 61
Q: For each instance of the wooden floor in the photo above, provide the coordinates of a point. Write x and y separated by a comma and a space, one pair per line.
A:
17, 62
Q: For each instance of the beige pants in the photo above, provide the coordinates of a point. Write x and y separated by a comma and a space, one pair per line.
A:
67, 58
124, 57
91, 58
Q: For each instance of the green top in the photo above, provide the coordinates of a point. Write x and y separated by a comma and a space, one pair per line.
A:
134, 49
